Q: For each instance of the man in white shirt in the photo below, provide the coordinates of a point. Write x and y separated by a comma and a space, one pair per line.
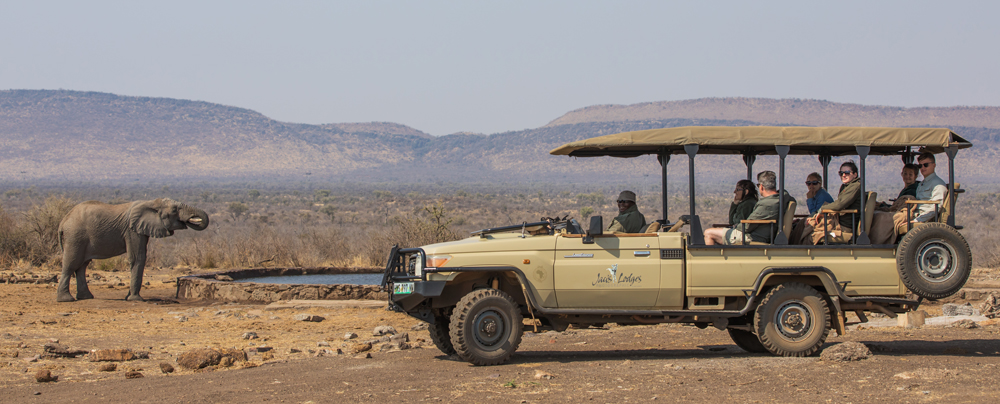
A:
932, 188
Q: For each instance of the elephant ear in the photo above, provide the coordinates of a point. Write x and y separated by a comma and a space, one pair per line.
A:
144, 218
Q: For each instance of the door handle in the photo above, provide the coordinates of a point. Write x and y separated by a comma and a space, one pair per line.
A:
580, 255
641, 253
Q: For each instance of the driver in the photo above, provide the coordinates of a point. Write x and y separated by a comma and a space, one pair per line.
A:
629, 220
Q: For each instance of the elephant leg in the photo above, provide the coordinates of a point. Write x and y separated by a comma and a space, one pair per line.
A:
82, 291
70, 265
137, 262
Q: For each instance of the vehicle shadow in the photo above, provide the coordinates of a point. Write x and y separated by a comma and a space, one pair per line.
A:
957, 348
915, 347
701, 352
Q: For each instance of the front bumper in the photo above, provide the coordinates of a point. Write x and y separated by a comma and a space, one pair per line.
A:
396, 271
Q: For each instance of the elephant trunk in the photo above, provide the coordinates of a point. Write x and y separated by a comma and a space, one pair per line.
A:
194, 218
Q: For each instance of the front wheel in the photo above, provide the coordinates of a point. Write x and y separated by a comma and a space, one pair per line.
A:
486, 327
792, 320
439, 331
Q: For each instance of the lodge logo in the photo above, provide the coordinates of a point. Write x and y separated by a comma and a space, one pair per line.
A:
612, 278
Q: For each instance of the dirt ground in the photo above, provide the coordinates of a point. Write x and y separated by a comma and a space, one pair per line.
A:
614, 364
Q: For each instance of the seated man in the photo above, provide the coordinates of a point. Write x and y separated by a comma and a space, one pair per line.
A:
766, 208
629, 220
932, 188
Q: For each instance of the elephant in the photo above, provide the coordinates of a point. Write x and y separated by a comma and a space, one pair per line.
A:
95, 230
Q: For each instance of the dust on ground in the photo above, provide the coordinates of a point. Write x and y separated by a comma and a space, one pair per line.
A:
612, 364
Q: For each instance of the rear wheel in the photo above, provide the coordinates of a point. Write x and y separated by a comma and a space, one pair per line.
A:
934, 260
747, 341
439, 331
486, 327
792, 320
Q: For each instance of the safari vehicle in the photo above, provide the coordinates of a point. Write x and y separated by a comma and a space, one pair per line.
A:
777, 298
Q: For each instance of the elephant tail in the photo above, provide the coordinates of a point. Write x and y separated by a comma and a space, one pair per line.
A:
61, 241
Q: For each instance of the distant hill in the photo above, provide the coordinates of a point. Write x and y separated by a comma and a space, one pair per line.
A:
98, 137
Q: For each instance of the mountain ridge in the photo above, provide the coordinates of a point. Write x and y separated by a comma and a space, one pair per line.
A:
62, 135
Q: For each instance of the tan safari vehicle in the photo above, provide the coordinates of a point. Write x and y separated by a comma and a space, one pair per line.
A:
478, 293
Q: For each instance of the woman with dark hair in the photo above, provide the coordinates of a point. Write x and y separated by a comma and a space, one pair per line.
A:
847, 199
744, 199
816, 195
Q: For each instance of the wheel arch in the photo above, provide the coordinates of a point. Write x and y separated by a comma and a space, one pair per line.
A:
464, 282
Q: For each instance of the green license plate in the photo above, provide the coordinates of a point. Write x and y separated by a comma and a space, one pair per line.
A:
404, 288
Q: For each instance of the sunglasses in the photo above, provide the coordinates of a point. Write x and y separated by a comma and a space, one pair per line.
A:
812, 182
623, 201
843, 173
925, 164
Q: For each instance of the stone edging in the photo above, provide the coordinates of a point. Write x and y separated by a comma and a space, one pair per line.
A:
218, 286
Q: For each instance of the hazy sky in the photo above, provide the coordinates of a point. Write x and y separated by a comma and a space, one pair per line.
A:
445, 67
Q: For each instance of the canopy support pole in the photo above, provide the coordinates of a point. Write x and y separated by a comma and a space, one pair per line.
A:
862, 238
781, 238
908, 156
664, 158
749, 157
697, 237
951, 151
825, 159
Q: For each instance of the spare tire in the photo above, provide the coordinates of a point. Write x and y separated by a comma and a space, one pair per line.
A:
933, 260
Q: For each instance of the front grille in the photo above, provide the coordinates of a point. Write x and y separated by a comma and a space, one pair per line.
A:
672, 253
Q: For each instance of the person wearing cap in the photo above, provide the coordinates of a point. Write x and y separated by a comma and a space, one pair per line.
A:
629, 220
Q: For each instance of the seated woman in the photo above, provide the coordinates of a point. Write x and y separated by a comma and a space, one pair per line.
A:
816, 195
847, 199
744, 198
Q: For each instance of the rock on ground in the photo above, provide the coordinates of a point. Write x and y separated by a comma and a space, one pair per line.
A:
991, 306
133, 375
384, 330
112, 355
44, 376
308, 317
965, 323
846, 351
53, 349
205, 357
107, 367
952, 309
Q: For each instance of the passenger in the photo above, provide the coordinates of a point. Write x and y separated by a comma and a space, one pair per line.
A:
629, 220
744, 200
932, 188
909, 191
766, 208
817, 195
847, 199
884, 220
909, 174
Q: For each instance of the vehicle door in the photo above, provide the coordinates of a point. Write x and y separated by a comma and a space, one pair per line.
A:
620, 271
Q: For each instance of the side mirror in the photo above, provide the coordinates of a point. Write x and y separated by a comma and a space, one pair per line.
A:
596, 229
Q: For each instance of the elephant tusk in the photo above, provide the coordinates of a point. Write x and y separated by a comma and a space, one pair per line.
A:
196, 220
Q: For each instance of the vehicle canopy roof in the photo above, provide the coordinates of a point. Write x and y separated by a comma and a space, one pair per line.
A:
831, 141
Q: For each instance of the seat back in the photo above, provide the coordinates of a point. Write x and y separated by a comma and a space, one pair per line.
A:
946, 207
786, 227
653, 227
870, 210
